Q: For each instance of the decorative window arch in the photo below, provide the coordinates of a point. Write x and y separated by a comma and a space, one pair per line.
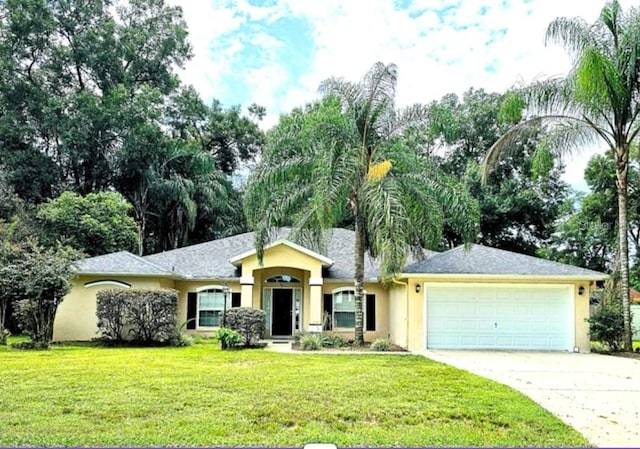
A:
283, 279
111, 282
210, 287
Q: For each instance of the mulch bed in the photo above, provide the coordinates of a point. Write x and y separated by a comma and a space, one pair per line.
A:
349, 348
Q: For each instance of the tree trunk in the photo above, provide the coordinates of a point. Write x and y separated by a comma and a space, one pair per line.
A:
622, 170
359, 279
3, 312
141, 230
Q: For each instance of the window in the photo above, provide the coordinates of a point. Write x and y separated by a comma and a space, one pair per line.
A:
344, 309
283, 279
210, 307
340, 310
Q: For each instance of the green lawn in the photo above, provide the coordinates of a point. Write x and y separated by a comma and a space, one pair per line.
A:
200, 396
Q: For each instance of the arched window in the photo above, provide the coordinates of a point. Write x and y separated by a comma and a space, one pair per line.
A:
211, 304
283, 279
340, 309
344, 309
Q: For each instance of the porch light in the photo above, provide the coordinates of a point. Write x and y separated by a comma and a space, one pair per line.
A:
581, 290
418, 287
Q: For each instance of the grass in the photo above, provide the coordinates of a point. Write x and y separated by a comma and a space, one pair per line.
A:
78, 395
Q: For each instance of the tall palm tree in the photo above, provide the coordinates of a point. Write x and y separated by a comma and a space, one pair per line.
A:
598, 101
346, 156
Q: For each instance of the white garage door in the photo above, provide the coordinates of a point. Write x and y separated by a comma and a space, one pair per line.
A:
499, 316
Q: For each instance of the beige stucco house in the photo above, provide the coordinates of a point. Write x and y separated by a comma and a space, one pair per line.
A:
475, 298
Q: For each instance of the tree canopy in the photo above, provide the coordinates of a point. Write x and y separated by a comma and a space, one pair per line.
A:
522, 198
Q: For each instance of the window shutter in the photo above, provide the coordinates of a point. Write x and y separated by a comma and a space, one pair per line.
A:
235, 299
328, 309
192, 309
371, 313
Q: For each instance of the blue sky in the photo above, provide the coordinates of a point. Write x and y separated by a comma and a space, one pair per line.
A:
276, 52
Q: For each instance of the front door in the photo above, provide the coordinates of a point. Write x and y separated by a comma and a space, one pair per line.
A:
281, 321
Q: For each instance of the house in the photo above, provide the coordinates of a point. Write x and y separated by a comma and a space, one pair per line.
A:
463, 298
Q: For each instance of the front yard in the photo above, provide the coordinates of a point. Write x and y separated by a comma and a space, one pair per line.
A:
201, 396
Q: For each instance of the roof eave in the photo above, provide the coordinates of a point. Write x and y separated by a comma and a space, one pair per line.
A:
115, 273
345, 280
574, 277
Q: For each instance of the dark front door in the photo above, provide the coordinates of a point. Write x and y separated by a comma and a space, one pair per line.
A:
282, 309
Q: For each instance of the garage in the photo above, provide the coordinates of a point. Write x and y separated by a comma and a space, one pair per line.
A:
499, 316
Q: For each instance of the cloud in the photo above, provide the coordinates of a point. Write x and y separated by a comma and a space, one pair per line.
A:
276, 53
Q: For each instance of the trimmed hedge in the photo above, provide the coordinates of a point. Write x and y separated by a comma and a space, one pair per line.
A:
248, 322
142, 316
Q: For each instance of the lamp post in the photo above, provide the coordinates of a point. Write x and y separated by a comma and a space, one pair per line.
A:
225, 292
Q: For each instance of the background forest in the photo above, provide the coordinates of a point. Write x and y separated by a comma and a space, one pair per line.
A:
103, 148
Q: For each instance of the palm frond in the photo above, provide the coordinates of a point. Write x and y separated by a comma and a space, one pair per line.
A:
414, 116
570, 136
574, 34
566, 134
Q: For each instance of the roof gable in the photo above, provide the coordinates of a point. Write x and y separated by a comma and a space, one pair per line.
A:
485, 261
326, 262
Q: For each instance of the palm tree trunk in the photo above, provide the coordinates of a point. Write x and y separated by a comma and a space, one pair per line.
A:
622, 170
359, 279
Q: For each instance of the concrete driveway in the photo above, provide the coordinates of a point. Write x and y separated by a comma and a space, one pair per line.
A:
598, 395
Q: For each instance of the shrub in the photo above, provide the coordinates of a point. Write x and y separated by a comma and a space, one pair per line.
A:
606, 324
29, 345
181, 339
381, 345
310, 342
228, 338
248, 322
149, 316
110, 309
333, 341
152, 315
4, 334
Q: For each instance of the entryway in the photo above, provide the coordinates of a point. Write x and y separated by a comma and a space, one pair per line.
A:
283, 307
281, 324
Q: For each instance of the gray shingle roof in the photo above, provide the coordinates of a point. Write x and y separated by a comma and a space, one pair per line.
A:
482, 260
211, 259
121, 262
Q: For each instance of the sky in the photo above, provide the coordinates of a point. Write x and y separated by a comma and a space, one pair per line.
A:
276, 52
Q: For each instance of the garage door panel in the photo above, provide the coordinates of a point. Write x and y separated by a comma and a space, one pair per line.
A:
499, 316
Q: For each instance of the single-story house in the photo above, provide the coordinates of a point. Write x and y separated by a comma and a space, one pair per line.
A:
471, 298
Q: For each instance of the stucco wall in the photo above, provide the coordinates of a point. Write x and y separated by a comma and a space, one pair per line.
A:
398, 314
76, 316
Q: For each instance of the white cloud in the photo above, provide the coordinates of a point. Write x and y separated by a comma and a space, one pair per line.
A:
435, 55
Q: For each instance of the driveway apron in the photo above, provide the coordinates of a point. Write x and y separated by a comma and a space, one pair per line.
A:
598, 395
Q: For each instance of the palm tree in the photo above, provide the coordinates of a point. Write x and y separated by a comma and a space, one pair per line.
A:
185, 181
346, 156
599, 100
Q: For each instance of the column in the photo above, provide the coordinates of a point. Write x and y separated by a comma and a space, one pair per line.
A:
246, 291
315, 304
